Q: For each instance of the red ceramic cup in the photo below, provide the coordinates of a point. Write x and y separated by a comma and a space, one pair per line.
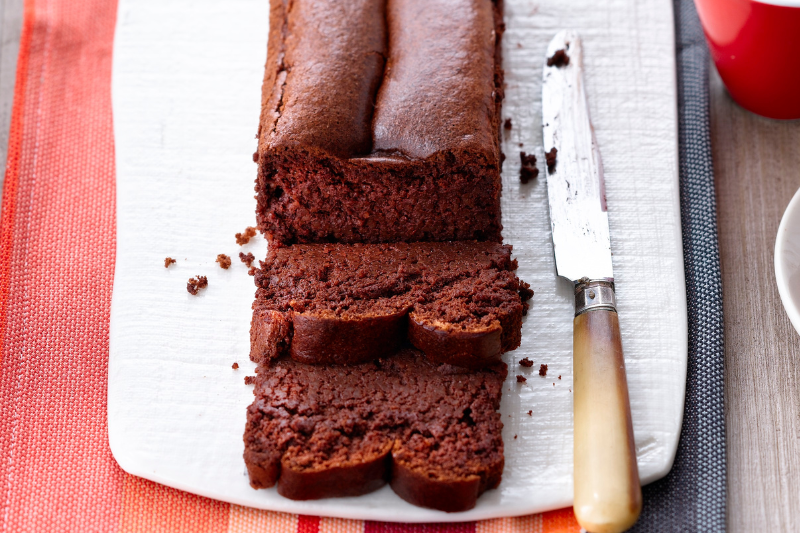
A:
756, 47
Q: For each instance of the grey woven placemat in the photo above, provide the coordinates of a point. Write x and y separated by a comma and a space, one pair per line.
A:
692, 496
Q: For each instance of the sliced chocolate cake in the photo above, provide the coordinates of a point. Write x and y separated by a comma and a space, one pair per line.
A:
379, 190
432, 431
458, 302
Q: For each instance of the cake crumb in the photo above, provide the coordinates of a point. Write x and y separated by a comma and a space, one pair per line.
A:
507, 124
519, 45
559, 377
249, 380
252, 271
543, 370
244, 238
235, 366
551, 159
525, 294
530, 413
224, 261
247, 258
527, 363
527, 170
515, 436
195, 284
521, 379
559, 59
169, 261
255, 157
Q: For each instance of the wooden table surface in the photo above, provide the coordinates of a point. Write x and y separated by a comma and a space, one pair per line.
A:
757, 170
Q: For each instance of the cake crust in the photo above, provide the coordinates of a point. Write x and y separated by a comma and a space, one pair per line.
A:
371, 133
346, 341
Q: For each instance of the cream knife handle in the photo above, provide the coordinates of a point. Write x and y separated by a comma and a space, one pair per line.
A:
608, 495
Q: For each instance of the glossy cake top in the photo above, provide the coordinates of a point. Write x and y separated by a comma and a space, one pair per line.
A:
396, 78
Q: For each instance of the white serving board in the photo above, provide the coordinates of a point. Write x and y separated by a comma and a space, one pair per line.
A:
186, 96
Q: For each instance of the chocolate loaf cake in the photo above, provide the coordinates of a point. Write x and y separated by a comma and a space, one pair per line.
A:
458, 302
380, 122
432, 431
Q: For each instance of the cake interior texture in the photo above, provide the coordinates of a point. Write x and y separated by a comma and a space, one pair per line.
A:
433, 432
380, 122
459, 302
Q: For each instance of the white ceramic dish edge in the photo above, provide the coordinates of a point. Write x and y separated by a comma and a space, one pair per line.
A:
787, 260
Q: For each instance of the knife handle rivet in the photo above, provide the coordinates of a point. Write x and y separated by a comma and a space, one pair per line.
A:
591, 294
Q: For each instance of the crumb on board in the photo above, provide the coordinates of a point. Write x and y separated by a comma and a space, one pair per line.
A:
224, 261
247, 258
195, 284
255, 157
558, 59
521, 379
551, 159
169, 261
530, 413
244, 238
515, 436
527, 363
527, 169
235, 366
249, 380
559, 377
507, 124
519, 45
543, 370
525, 294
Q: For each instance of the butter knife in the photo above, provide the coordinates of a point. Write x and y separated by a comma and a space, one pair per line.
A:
608, 496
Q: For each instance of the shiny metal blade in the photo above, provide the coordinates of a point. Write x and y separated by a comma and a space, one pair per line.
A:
575, 188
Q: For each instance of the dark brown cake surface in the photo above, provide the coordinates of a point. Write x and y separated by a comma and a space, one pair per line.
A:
432, 431
325, 60
439, 91
380, 122
459, 302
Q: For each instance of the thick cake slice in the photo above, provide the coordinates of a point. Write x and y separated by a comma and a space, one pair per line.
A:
380, 121
432, 431
459, 302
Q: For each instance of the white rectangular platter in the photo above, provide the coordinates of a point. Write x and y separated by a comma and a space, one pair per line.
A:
186, 96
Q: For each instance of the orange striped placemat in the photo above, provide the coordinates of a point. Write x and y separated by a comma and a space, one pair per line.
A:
57, 247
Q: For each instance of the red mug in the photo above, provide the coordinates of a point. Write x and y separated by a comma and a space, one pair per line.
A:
756, 48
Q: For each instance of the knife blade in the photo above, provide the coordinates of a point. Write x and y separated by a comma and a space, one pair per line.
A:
607, 497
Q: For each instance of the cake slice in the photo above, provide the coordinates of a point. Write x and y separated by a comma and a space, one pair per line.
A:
458, 302
380, 122
432, 431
